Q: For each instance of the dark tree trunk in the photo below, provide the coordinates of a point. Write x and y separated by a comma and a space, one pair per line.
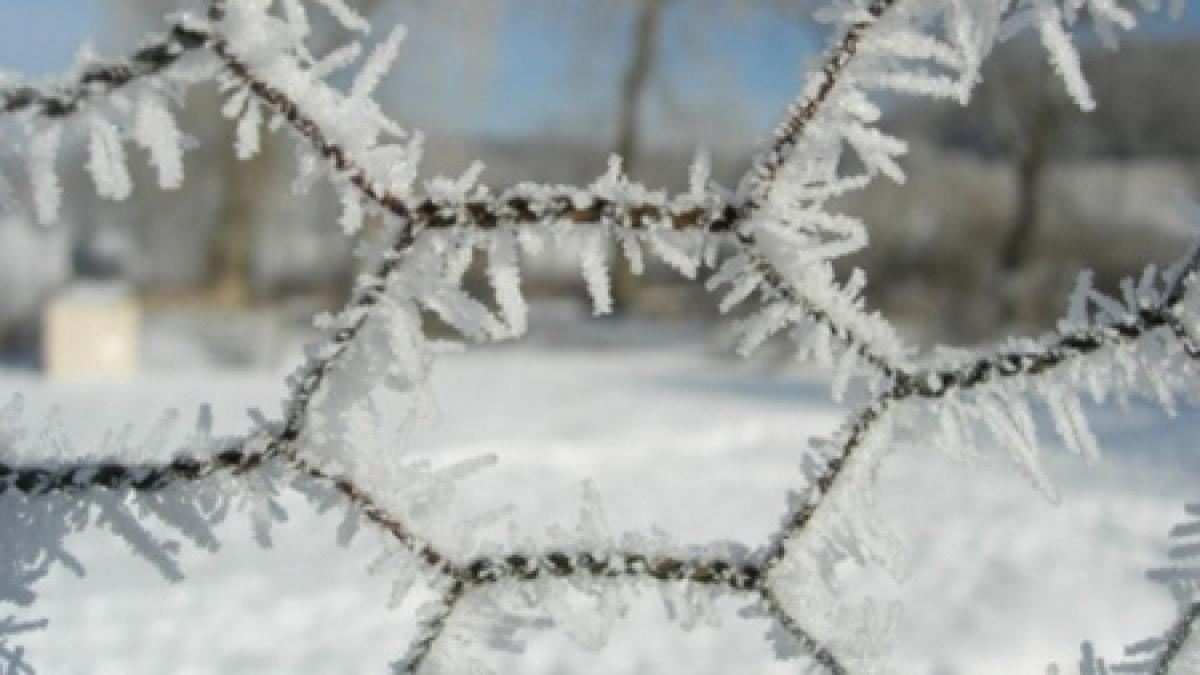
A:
1017, 246
634, 84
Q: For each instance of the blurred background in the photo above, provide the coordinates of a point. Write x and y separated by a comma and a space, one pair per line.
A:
1007, 199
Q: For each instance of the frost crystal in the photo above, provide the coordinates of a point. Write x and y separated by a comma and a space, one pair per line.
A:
775, 241
155, 131
47, 188
106, 160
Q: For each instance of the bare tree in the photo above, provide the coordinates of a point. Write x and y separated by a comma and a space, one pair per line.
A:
1021, 117
1022, 112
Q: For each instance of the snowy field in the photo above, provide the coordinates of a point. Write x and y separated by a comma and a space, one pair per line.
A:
1000, 581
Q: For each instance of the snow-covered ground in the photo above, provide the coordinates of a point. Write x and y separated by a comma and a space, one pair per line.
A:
1000, 581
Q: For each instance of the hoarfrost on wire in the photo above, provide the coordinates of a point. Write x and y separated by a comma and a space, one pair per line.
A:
777, 251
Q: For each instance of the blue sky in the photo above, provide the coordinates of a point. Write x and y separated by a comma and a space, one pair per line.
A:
541, 77
534, 61
760, 56
42, 36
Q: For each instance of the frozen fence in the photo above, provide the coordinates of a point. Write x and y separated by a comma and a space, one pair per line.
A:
769, 241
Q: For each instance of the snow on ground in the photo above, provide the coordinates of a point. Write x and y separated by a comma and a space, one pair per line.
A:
1001, 581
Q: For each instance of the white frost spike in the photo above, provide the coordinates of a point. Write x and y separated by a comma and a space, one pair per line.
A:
1106, 12
913, 45
47, 190
876, 149
204, 426
1077, 307
594, 529
741, 289
156, 437
462, 312
350, 19
458, 256
8, 196
335, 60
856, 103
759, 327
685, 262
405, 577
950, 438
700, 174
931, 86
589, 630
733, 268
297, 18
262, 509
1015, 23
155, 130
465, 468
1071, 423
505, 277
456, 188
378, 64
1007, 417
633, 253
247, 143
349, 526
592, 260
236, 103
352, 212
106, 160
843, 372
1062, 54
